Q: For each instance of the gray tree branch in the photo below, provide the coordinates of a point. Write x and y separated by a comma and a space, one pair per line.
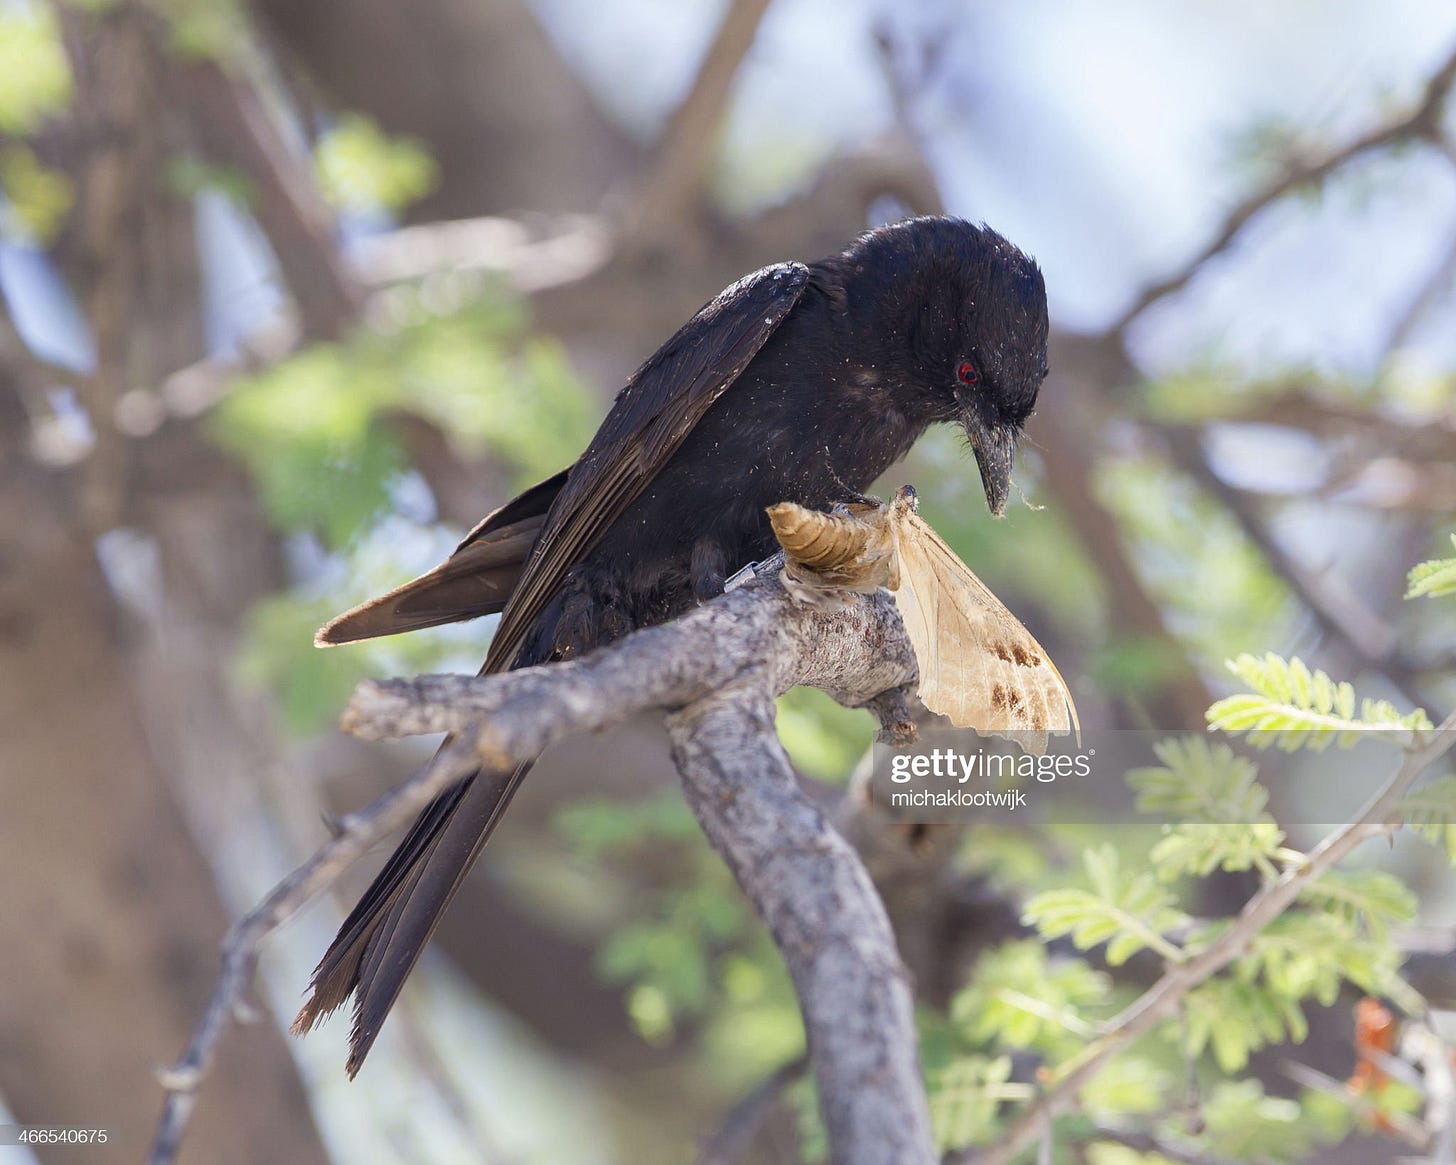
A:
716, 672
1422, 123
1339, 611
677, 176
731, 1142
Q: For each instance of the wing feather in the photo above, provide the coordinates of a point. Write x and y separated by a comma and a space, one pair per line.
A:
652, 415
477, 579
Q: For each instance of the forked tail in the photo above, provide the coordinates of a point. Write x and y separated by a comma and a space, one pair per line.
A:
382, 938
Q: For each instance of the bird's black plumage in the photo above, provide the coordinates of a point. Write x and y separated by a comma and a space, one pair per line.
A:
799, 383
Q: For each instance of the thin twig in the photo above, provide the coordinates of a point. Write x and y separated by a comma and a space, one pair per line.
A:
357, 833
735, 1135
547, 253
1327, 417
1409, 1130
1149, 1143
1339, 612
1161, 1001
1427, 295
1423, 122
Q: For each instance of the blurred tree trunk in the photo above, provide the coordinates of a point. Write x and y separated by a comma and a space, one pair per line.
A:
110, 910
101, 881
479, 81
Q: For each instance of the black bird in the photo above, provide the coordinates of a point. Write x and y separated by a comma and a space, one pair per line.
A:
798, 383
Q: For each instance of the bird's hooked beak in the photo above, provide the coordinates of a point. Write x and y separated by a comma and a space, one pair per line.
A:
995, 446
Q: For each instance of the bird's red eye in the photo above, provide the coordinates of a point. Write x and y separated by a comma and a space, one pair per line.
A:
967, 373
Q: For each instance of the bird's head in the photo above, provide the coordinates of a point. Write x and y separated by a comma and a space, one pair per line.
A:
972, 310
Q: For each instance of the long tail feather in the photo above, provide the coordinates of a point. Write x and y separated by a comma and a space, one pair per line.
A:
382, 938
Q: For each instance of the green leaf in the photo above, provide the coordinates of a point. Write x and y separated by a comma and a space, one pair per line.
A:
1306, 954
651, 1013
525, 405
964, 1096
1331, 1116
1294, 708
1127, 1086
1128, 912
1374, 899
1199, 849
1015, 862
1233, 1018
1431, 812
360, 167
1200, 781
593, 828
1197, 559
205, 29
1243, 1124
813, 1136
1020, 997
1107, 1153
822, 737
661, 955
187, 175
1398, 1097
1434, 578
1135, 666
35, 77
310, 428
1261, 147
278, 656
39, 197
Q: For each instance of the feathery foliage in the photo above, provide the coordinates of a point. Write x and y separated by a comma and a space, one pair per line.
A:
1435, 577
1129, 911
1294, 708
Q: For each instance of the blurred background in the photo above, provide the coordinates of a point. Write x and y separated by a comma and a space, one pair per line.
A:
292, 294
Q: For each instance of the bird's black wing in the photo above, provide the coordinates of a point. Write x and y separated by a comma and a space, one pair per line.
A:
477, 579
652, 415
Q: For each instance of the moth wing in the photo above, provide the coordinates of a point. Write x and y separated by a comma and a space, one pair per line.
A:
979, 667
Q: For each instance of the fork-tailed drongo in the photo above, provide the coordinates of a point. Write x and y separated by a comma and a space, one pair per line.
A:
801, 382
